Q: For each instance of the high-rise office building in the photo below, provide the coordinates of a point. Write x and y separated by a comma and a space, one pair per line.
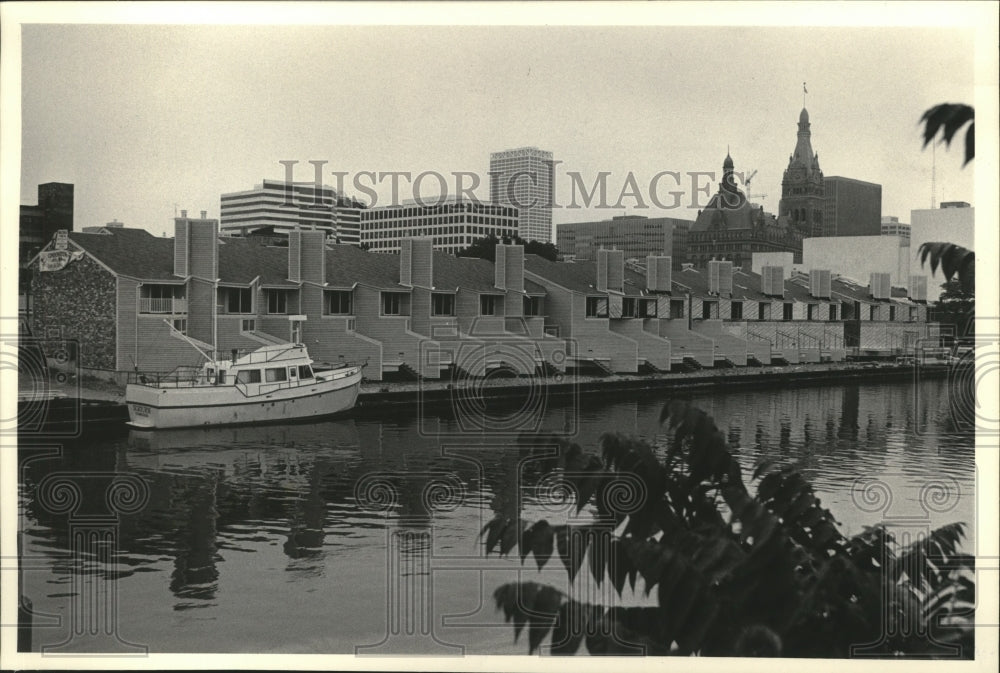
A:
635, 235
452, 224
891, 226
278, 207
851, 207
524, 178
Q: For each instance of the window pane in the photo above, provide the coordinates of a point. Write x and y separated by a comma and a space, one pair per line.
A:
276, 375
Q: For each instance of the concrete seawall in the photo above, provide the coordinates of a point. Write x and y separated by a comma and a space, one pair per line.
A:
80, 406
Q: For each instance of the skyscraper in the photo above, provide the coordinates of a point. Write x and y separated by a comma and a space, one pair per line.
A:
523, 178
851, 207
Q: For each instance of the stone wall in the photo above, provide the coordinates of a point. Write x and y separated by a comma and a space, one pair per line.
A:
77, 303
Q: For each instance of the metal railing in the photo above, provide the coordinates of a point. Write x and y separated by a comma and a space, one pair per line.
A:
162, 305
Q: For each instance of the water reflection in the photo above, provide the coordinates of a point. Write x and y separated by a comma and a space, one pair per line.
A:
287, 512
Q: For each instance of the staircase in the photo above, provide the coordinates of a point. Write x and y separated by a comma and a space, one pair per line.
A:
409, 372
724, 363
752, 361
547, 369
647, 367
691, 362
602, 368
778, 360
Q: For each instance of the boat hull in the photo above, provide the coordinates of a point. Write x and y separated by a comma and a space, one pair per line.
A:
150, 407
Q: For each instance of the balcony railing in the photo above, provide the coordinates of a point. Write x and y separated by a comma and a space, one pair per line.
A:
162, 305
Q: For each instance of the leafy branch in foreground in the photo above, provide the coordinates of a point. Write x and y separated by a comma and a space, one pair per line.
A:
733, 573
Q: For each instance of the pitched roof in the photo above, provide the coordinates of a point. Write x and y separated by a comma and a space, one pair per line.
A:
243, 259
130, 252
580, 276
347, 265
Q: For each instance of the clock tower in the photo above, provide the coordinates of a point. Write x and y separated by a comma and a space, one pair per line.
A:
801, 205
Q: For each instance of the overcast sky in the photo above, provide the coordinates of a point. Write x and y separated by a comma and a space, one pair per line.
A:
141, 118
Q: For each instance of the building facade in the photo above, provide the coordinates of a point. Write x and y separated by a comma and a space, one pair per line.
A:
635, 235
953, 222
732, 228
281, 206
451, 225
525, 178
802, 185
859, 256
891, 226
39, 223
851, 207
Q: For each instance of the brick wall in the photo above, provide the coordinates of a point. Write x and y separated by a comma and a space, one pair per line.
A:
79, 301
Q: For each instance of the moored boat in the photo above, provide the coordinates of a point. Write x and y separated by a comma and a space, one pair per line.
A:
272, 383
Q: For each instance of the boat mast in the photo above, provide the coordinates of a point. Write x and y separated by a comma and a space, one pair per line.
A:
174, 330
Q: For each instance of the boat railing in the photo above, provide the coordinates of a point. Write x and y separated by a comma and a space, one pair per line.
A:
255, 357
181, 377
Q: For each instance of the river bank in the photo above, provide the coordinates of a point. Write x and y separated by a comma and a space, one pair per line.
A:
89, 401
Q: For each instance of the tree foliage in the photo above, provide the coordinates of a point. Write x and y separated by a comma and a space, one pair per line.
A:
733, 572
948, 119
485, 248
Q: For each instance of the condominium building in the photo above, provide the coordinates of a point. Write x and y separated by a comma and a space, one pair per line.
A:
452, 224
283, 206
524, 178
635, 235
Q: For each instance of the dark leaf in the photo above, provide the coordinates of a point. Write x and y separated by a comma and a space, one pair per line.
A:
542, 616
541, 542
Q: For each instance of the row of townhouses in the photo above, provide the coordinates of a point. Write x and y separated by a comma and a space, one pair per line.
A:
133, 301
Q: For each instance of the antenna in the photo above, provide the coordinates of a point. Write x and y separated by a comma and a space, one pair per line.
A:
933, 176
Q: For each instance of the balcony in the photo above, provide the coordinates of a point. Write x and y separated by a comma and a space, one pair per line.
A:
170, 305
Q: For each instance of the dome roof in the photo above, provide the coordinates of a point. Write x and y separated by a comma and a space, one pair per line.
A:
728, 163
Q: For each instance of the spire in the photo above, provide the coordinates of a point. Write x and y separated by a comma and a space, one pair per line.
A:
803, 156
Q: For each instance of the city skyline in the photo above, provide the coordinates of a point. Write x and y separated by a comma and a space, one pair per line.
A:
143, 120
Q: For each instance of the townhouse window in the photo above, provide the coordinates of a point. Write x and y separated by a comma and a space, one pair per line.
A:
873, 312
892, 313
709, 310
339, 302
812, 312
235, 300
487, 304
532, 306
628, 307
736, 310
394, 303
676, 308
181, 325
248, 325
442, 304
597, 307
277, 301
647, 308
833, 312
786, 313
162, 299
763, 311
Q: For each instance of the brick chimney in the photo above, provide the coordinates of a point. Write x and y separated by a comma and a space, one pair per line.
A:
416, 262
307, 256
610, 270
508, 269
658, 273
196, 248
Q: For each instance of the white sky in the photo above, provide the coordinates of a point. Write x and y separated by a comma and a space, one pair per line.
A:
141, 118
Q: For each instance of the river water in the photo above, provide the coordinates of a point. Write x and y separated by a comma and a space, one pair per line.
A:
359, 535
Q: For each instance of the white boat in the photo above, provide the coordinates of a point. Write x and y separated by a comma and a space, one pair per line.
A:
272, 383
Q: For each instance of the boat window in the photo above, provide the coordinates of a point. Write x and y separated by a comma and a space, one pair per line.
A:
291, 372
305, 372
221, 378
248, 376
275, 375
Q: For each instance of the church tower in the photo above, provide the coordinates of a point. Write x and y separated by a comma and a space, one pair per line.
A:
801, 203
